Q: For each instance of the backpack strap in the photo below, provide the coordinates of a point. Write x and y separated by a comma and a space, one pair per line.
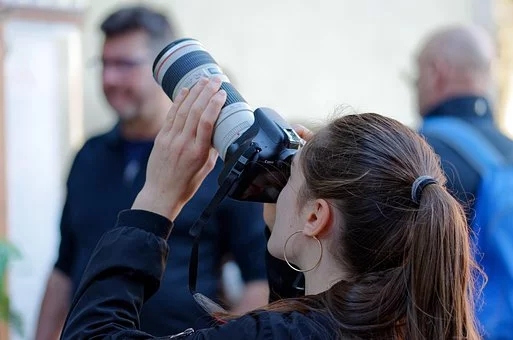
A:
465, 140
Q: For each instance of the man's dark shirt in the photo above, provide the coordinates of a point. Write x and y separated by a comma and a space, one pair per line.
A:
105, 178
463, 179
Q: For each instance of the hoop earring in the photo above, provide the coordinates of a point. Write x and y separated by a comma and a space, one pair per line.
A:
287, 261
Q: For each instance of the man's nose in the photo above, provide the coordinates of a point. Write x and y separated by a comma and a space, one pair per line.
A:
111, 75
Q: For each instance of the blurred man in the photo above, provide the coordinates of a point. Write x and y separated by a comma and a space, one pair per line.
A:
453, 87
109, 171
455, 79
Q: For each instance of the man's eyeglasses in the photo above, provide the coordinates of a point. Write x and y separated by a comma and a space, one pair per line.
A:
121, 64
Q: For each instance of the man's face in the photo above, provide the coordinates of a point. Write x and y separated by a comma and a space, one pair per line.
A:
422, 85
127, 79
428, 84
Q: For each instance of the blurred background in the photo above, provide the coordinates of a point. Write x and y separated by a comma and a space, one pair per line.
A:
301, 57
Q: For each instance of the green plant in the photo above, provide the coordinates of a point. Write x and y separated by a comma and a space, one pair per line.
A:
8, 252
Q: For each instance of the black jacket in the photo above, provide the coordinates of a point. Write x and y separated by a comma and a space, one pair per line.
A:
99, 187
125, 270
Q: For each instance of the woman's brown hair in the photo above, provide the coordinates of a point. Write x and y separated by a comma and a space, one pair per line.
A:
410, 263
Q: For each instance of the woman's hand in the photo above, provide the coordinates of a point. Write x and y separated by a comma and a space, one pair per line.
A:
182, 155
270, 208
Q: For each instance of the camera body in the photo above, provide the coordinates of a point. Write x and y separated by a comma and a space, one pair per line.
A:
272, 143
256, 147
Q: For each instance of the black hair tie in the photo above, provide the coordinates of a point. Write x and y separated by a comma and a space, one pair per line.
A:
418, 185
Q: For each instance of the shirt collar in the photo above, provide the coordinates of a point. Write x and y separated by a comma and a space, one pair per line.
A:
113, 137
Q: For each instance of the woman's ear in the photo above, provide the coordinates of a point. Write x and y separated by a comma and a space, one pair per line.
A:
319, 217
441, 70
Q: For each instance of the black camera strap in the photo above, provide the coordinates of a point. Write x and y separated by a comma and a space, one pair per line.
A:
195, 231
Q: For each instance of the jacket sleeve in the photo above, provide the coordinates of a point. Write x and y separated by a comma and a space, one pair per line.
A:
124, 271
66, 255
66, 252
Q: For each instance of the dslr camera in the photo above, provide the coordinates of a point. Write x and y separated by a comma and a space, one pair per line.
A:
256, 146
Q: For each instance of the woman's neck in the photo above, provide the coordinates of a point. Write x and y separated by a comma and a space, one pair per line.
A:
323, 277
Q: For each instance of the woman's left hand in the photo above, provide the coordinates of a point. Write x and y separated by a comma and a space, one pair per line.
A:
182, 155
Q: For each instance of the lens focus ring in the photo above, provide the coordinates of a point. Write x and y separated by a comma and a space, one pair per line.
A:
232, 95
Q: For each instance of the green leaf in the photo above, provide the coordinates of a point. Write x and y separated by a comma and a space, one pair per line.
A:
8, 252
16, 322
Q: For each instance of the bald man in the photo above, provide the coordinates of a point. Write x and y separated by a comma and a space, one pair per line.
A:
455, 80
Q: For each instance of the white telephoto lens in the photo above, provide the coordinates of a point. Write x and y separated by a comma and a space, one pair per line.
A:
181, 64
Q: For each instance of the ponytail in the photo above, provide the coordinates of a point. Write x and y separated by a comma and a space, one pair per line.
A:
439, 265
403, 250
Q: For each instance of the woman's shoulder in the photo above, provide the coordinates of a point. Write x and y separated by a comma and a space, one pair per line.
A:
273, 325
311, 325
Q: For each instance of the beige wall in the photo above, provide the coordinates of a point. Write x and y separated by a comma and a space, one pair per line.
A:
301, 57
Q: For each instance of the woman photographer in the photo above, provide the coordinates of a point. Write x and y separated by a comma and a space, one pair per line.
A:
365, 215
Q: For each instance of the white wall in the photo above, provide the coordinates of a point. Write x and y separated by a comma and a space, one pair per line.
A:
301, 57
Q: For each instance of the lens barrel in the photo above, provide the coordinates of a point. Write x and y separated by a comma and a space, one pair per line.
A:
183, 63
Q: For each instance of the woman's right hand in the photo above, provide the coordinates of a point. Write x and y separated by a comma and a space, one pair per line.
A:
270, 208
182, 154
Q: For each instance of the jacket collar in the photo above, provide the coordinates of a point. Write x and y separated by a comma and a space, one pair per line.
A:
465, 107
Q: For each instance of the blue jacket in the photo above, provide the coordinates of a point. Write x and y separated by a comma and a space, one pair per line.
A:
463, 180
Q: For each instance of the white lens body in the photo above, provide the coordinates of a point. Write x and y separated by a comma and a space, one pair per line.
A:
234, 119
